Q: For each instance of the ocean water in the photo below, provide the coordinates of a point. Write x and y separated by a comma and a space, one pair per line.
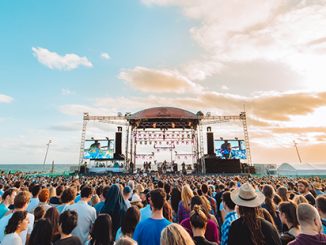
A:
28, 168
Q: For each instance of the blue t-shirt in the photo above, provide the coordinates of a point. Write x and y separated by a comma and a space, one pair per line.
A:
3, 210
77, 199
98, 207
148, 231
145, 212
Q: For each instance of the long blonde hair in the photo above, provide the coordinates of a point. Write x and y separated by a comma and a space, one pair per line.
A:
186, 195
175, 234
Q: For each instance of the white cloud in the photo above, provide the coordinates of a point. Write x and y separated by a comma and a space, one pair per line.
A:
287, 32
158, 81
55, 61
5, 99
224, 87
105, 56
66, 92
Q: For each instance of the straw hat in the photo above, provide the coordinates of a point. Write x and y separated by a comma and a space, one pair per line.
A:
317, 185
247, 196
135, 198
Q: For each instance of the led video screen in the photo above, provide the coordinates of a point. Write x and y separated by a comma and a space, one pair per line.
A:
99, 149
230, 149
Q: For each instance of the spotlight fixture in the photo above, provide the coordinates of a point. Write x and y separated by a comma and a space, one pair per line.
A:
209, 129
119, 129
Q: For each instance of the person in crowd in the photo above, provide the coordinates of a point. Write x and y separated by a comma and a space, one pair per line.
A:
321, 207
52, 191
207, 207
270, 206
146, 212
167, 211
44, 197
34, 202
86, 214
98, 207
42, 233
39, 213
231, 215
184, 204
56, 200
67, 198
211, 231
174, 200
129, 223
52, 215
126, 241
126, 195
298, 199
283, 193
115, 206
288, 215
94, 200
311, 227
250, 228
167, 189
175, 234
148, 231
136, 201
8, 198
303, 188
263, 213
198, 221
21, 202
218, 197
212, 202
67, 223
318, 189
17, 223
101, 233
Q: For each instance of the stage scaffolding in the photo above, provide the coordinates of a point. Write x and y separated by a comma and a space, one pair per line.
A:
134, 130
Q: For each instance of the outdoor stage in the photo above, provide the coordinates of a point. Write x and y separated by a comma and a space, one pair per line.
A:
164, 140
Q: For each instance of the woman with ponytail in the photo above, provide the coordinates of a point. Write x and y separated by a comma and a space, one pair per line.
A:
198, 222
270, 206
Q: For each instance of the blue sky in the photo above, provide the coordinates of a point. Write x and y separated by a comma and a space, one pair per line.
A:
60, 58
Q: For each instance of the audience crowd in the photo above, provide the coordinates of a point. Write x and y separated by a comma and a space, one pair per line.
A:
166, 210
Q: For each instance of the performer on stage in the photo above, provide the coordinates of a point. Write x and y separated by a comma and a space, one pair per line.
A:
228, 153
224, 145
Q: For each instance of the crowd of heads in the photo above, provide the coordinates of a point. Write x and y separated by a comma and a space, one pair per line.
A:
168, 209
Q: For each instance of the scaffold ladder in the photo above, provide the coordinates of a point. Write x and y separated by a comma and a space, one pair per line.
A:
83, 138
243, 118
201, 148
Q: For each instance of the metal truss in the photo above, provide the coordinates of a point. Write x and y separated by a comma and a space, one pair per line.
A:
203, 120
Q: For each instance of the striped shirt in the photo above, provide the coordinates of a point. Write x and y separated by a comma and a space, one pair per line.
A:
229, 218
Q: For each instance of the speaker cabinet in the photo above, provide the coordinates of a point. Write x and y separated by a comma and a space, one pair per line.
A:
118, 141
215, 165
210, 143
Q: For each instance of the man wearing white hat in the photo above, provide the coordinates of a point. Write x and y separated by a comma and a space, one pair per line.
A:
250, 229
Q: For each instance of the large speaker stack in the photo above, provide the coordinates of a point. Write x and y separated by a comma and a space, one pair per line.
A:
210, 144
118, 144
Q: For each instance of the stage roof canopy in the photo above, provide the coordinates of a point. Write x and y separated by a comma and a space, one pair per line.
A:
163, 117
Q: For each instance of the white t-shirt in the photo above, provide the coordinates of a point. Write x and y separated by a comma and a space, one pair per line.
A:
12, 239
23, 234
86, 218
